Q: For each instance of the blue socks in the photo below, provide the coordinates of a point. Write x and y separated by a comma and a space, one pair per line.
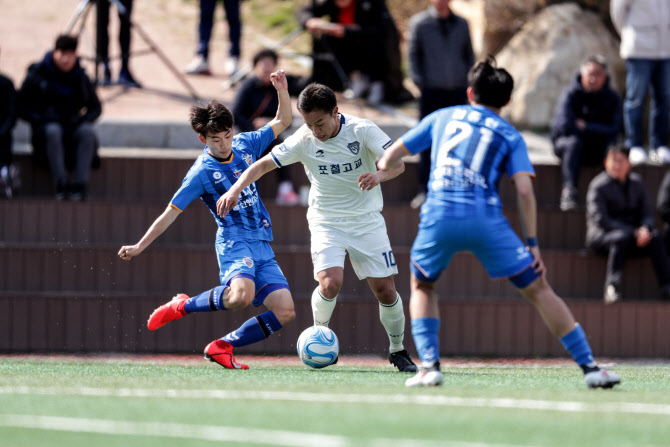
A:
576, 344
425, 333
254, 329
207, 301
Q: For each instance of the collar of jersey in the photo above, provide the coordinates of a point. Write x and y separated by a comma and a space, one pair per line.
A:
342, 121
232, 156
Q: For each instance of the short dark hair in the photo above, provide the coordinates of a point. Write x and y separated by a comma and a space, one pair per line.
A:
65, 42
618, 148
262, 54
316, 97
212, 119
492, 86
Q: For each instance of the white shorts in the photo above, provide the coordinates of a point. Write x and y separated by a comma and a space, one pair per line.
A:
363, 237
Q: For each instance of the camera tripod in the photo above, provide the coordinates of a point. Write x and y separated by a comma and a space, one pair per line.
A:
80, 15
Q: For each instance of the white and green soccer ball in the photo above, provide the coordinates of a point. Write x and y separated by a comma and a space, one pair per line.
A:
318, 347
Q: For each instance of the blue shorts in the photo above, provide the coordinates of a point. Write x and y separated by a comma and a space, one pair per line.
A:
254, 260
490, 239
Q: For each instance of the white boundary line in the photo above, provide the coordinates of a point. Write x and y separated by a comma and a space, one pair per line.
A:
173, 430
412, 399
234, 435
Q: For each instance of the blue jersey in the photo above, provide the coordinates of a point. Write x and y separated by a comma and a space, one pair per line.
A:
471, 148
209, 179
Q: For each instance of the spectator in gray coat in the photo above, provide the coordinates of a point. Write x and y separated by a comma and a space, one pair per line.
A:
440, 55
644, 26
620, 222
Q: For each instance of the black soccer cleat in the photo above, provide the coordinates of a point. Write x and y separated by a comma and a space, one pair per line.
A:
402, 361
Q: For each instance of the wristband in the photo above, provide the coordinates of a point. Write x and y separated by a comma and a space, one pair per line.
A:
531, 241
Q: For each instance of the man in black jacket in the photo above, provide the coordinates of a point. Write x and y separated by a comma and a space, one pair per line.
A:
361, 35
588, 120
663, 208
256, 104
620, 222
8, 172
60, 103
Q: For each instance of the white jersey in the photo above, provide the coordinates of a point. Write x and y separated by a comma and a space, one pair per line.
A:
333, 167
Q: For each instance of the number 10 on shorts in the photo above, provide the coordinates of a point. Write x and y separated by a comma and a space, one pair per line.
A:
389, 259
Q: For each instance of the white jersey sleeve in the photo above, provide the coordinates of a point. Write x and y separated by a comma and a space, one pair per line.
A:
375, 140
291, 150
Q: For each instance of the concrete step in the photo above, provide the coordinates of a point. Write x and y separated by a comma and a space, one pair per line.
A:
39, 322
155, 174
192, 269
37, 220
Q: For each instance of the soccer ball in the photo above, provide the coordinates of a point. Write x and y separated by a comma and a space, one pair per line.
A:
318, 347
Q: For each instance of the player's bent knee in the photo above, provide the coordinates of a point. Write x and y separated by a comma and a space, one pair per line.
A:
239, 299
285, 314
535, 289
331, 287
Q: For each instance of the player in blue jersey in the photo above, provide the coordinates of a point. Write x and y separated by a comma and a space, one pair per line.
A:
471, 148
249, 273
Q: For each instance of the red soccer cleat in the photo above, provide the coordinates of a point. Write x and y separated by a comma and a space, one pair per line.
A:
173, 310
221, 352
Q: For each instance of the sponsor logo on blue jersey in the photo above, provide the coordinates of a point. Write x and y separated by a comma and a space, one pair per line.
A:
354, 147
237, 173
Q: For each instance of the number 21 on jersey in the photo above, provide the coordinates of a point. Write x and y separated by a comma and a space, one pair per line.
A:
457, 132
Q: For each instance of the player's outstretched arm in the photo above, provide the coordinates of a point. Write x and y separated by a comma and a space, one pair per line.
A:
284, 113
156, 229
528, 213
228, 201
392, 158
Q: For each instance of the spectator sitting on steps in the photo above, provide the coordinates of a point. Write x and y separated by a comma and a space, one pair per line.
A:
60, 103
588, 120
620, 222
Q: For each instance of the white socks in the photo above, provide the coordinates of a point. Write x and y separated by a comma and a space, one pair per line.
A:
393, 319
322, 308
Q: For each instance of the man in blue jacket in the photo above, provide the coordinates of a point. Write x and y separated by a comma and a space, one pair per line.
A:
588, 119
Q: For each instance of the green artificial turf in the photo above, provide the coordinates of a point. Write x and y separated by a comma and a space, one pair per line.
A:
110, 403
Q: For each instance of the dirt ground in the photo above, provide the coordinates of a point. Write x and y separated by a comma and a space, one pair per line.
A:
29, 28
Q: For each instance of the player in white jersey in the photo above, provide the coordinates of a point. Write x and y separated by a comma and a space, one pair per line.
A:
339, 153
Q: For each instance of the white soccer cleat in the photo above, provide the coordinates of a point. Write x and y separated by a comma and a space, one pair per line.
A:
425, 377
602, 379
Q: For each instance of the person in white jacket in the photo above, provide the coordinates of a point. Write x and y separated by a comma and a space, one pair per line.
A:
644, 27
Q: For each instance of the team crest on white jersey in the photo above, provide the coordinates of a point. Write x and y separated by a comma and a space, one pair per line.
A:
248, 261
248, 159
354, 147
319, 153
